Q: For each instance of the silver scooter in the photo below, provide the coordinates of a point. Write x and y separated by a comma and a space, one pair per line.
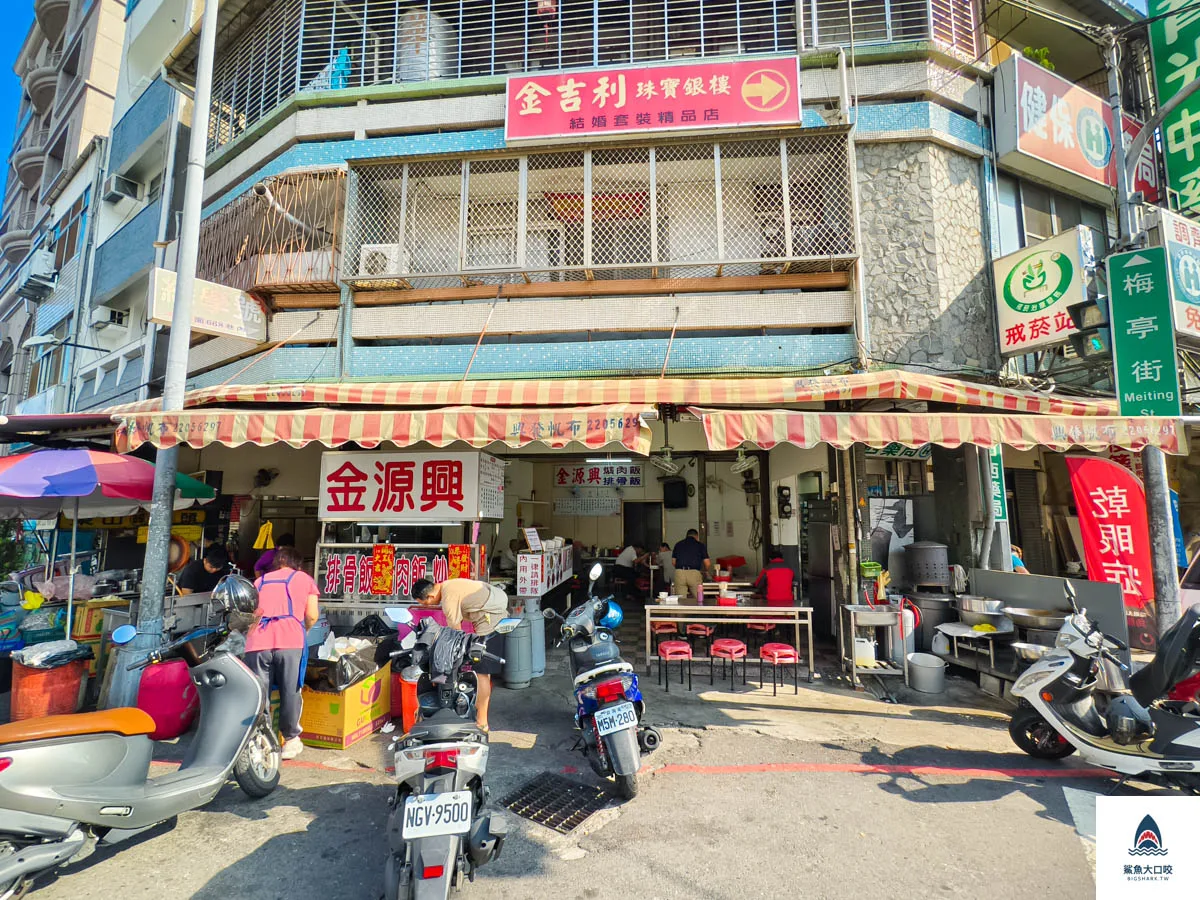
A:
438, 831
70, 782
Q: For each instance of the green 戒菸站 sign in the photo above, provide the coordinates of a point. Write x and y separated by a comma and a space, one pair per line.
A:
1175, 47
1143, 333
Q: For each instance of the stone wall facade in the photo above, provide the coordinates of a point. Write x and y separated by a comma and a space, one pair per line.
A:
928, 292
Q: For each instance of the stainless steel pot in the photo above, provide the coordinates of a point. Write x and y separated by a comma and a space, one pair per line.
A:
1029, 652
975, 603
1036, 618
981, 618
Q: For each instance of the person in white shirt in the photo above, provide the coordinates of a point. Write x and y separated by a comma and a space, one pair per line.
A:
626, 565
666, 565
508, 557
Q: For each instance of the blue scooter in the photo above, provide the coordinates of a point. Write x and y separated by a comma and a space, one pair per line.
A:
608, 704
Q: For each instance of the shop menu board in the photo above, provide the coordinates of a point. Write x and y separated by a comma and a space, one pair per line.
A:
591, 504
538, 573
410, 487
599, 474
365, 571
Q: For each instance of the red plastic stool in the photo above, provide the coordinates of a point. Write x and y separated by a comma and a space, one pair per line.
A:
674, 651
702, 631
776, 655
757, 631
727, 649
658, 630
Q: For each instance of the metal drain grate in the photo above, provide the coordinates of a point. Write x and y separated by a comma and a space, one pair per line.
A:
556, 802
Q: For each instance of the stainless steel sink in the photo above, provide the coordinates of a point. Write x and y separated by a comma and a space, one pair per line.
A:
872, 615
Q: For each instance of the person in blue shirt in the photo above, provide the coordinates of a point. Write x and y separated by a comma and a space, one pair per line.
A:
690, 559
1018, 563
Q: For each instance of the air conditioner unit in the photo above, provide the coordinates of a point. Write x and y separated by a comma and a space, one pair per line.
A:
375, 260
118, 188
108, 317
37, 277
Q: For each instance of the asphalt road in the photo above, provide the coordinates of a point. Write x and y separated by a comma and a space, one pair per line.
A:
727, 814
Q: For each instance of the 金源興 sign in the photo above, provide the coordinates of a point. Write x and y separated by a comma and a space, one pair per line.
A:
1035, 286
600, 102
410, 487
605, 474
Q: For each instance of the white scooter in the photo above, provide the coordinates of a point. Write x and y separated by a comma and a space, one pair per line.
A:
1139, 735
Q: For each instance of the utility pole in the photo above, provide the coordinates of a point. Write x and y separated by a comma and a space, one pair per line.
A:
123, 691
1154, 462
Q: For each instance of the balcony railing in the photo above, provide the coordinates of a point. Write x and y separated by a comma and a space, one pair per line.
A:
282, 235
951, 23
317, 45
750, 207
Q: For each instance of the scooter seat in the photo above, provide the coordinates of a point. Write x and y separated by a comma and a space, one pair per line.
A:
127, 721
444, 725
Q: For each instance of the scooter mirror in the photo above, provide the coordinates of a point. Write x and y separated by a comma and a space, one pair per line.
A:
549, 614
1069, 591
408, 641
595, 572
506, 625
123, 634
399, 615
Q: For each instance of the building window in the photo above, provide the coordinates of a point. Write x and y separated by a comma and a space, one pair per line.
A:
67, 238
1029, 213
46, 366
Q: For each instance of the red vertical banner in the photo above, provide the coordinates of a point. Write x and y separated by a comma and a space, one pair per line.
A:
460, 561
1111, 503
383, 570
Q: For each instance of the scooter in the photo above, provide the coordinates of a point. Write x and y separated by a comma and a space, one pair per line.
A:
608, 703
70, 782
437, 830
1139, 735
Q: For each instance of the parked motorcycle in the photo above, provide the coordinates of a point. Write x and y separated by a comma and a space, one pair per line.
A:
1139, 735
70, 782
608, 703
438, 831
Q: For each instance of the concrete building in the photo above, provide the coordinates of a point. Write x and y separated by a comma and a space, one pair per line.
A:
68, 66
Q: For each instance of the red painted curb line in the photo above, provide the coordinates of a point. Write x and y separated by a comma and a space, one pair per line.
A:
871, 769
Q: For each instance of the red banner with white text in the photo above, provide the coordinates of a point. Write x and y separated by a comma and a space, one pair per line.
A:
1111, 503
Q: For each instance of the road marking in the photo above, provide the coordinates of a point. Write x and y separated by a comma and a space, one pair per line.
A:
873, 769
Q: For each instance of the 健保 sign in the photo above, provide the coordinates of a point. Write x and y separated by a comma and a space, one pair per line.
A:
653, 98
1035, 286
1143, 336
1049, 127
410, 487
1181, 237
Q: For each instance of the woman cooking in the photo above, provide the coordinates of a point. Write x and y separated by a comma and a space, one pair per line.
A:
277, 643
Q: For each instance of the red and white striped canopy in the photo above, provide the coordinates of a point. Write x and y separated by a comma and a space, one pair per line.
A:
591, 427
729, 429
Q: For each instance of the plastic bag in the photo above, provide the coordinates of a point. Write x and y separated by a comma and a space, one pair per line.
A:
45, 620
346, 671
334, 648
60, 585
372, 626
52, 654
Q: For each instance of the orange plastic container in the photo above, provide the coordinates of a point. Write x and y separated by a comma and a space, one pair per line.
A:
46, 692
404, 702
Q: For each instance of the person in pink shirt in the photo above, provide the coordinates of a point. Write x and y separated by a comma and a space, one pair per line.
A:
277, 643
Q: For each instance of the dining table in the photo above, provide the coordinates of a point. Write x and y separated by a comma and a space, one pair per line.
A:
690, 611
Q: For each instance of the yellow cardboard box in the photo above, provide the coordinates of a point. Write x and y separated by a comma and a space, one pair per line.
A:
338, 720
87, 620
99, 658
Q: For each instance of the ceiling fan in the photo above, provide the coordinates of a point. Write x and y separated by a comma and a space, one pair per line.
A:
664, 462
743, 463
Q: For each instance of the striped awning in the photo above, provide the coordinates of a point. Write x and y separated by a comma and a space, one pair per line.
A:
729, 429
886, 385
591, 427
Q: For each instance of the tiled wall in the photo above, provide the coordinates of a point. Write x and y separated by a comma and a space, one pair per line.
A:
148, 112
126, 253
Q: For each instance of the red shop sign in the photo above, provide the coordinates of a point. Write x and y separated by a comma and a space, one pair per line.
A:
653, 98
1112, 520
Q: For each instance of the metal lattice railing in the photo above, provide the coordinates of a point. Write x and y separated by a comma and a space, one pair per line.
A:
694, 209
283, 233
950, 23
320, 45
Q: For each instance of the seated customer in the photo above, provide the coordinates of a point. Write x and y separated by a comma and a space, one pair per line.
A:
775, 581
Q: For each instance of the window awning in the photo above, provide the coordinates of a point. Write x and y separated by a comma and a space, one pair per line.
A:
730, 429
885, 385
591, 427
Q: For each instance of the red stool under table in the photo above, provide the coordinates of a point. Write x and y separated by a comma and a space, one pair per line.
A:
727, 649
658, 630
757, 631
674, 651
776, 655
701, 631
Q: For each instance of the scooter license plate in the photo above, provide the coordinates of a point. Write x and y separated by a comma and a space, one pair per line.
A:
614, 718
434, 815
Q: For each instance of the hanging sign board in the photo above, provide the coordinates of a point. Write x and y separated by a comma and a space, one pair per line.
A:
410, 487
1034, 287
216, 308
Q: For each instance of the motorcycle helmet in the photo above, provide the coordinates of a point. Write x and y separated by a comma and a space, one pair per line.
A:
614, 617
236, 594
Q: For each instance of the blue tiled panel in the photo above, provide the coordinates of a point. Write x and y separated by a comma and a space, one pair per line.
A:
126, 253
285, 364
148, 112
918, 117
631, 357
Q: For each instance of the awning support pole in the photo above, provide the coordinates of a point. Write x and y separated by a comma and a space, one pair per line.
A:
71, 574
984, 461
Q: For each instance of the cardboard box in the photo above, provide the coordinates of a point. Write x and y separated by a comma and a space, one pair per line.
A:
99, 655
338, 720
88, 618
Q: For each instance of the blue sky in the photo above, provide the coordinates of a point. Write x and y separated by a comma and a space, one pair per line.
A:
18, 15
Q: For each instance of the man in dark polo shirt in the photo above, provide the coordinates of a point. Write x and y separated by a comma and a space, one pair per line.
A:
690, 558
